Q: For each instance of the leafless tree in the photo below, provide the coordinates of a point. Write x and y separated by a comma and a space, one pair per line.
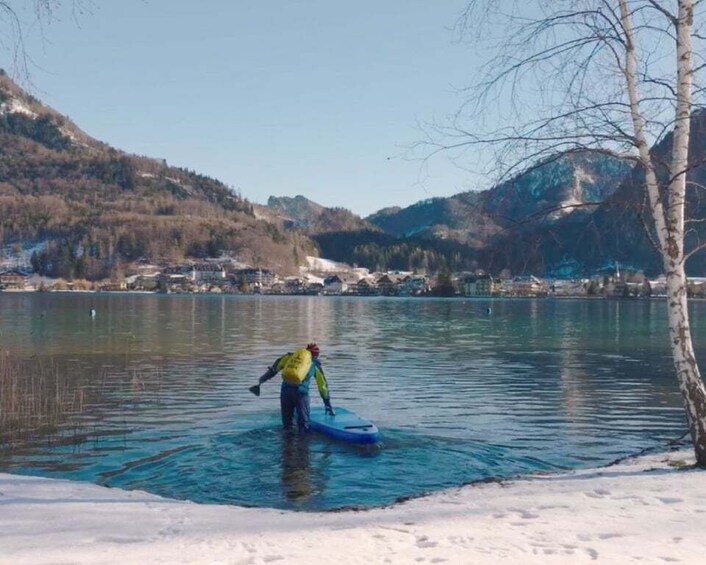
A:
615, 76
17, 17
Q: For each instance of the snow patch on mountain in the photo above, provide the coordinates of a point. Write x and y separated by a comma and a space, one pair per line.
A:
66, 132
317, 264
15, 106
19, 256
576, 197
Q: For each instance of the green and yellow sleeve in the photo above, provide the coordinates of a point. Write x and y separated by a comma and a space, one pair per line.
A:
321, 381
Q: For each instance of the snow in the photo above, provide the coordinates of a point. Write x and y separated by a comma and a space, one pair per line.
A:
10, 259
646, 510
174, 180
15, 106
321, 265
313, 279
66, 132
576, 198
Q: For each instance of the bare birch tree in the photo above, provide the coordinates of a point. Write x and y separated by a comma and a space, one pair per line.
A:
615, 76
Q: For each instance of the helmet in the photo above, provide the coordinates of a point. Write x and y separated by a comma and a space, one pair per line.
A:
314, 349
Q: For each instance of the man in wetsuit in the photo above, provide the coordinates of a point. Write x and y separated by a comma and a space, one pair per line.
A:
294, 395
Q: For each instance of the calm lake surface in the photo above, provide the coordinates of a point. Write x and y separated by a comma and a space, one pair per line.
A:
458, 394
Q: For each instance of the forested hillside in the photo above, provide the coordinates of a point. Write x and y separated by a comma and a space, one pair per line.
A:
93, 209
300, 212
380, 251
344, 236
615, 232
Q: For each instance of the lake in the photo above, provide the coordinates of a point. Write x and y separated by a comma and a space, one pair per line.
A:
460, 395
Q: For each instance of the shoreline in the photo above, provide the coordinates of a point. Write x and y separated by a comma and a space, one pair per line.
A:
650, 508
367, 296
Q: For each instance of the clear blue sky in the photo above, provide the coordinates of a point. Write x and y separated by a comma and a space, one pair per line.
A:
279, 97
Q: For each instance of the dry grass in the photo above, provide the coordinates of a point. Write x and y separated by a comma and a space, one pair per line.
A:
40, 396
36, 397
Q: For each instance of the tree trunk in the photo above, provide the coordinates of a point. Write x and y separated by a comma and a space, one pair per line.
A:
688, 375
669, 223
690, 383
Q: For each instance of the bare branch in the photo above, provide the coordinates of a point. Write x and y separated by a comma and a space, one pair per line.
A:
694, 251
43, 13
662, 10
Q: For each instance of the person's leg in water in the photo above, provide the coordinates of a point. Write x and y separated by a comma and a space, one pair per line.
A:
288, 400
303, 412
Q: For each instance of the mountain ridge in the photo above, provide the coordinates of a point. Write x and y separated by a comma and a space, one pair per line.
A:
99, 209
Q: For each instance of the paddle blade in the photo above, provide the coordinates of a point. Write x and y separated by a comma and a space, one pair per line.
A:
255, 389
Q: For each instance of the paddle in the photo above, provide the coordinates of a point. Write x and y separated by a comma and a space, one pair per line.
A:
255, 389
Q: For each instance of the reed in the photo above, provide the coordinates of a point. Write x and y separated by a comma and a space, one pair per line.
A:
35, 398
41, 397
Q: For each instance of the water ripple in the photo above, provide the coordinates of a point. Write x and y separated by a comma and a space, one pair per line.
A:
459, 396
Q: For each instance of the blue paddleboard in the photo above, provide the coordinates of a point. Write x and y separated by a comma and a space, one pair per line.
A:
345, 425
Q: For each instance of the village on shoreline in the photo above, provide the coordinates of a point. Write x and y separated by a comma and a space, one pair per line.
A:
328, 278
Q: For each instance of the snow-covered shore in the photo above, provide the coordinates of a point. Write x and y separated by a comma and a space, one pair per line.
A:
646, 510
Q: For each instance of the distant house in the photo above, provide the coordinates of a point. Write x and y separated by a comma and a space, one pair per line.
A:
261, 278
146, 278
314, 288
207, 273
528, 285
172, 279
334, 285
624, 289
480, 285
387, 286
365, 288
578, 287
277, 288
171, 271
414, 285
13, 280
696, 287
143, 282
112, 286
294, 285
350, 281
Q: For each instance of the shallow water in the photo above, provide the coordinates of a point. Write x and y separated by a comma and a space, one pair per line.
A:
459, 395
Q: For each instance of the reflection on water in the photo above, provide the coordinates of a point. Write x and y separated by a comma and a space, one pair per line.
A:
459, 395
296, 466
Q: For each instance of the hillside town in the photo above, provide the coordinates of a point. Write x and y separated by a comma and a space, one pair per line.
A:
328, 278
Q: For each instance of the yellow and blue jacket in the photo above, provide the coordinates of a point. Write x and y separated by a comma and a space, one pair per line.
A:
315, 371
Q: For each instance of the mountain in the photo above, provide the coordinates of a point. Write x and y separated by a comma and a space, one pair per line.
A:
513, 225
549, 209
546, 192
381, 251
617, 228
345, 237
299, 209
552, 189
89, 211
94, 209
300, 212
614, 232
460, 218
